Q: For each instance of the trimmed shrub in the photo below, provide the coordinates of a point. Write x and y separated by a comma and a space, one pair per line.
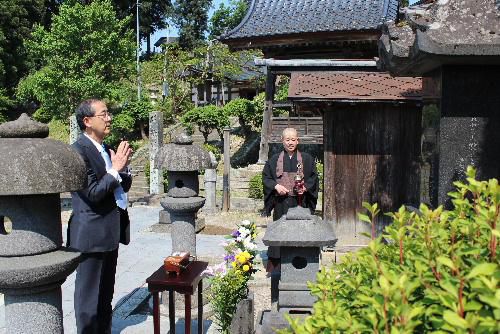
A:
436, 271
214, 149
256, 188
207, 118
243, 109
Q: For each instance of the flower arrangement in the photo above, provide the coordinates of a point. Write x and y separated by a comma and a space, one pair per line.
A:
229, 279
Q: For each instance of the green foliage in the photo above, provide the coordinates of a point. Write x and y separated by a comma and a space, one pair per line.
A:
437, 271
207, 118
225, 293
87, 53
229, 279
183, 69
243, 109
5, 104
256, 187
226, 18
191, 17
139, 110
59, 130
17, 19
173, 66
42, 115
214, 149
282, 88
321, 172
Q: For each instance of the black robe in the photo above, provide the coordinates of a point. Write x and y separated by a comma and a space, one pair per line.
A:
271, 198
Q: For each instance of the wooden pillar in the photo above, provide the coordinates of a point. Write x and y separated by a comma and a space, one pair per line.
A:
266, 122
371, 155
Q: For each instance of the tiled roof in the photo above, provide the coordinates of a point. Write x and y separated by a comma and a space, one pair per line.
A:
354, 86
282, 17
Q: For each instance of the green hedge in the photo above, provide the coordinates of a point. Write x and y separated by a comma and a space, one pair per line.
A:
256, 188
432, 272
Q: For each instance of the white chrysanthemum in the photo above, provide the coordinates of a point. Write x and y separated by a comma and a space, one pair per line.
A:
246, 223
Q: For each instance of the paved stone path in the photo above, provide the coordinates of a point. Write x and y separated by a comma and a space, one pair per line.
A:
135, 263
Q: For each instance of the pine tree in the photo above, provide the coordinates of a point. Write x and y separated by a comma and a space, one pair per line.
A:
191, 17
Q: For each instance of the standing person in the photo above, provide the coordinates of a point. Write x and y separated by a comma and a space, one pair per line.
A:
100, 219
281, 188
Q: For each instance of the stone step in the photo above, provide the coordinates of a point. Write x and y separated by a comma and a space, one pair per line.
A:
139, 183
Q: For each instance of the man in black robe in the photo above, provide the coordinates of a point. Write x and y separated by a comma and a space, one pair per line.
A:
290, 178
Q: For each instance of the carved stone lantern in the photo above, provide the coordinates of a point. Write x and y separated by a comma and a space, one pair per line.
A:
183, 161
299, 236
33, 263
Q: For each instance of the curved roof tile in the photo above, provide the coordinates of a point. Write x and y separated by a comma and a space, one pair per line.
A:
282, 17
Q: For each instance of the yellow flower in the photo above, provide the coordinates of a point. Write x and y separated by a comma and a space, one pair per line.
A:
246, 255
233, 264
246, 267
241, 258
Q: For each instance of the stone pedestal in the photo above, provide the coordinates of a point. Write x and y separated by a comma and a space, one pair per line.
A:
299, 236
183, 161
33, 263
210, 179
183, 214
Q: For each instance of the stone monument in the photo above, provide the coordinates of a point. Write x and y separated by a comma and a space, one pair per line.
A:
210, 179
299, 236
33, 263
182, 160
456, 43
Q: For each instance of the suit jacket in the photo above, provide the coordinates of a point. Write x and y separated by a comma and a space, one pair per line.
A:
95, 223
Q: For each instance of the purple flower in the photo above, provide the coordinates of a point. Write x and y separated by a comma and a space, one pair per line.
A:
235, 233
229, 257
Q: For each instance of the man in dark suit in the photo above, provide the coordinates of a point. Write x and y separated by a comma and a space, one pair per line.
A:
99, 210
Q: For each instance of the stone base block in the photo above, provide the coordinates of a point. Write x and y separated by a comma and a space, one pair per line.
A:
167, 227
34, 313
269, 322
295, 299
243, 318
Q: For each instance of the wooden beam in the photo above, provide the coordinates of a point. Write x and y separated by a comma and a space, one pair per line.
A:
266, 122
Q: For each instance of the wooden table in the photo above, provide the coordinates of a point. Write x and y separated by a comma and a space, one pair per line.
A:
184, 283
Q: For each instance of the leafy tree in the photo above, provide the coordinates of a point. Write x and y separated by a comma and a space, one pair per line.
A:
139, 112
17, 18
207, 119
243, 109
435, 271
87, 53
191, 17
182, 70
226, 18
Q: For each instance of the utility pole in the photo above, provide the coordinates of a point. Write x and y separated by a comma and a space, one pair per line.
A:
138, 51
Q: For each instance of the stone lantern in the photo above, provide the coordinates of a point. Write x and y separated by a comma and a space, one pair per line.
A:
299, 236
33, 263
183, 161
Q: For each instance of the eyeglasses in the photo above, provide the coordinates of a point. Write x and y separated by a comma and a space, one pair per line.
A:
104, 116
